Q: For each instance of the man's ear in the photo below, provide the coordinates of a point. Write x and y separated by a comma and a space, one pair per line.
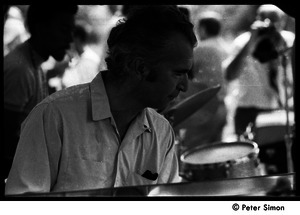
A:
140, 68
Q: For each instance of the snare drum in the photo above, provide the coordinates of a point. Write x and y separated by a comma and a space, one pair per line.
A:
221, 160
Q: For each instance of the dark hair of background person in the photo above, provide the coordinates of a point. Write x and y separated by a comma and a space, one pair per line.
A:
45, 13
212, 25
144, 34
185, 11
126, 8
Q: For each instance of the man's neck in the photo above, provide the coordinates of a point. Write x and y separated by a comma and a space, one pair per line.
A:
123, 121
123, 106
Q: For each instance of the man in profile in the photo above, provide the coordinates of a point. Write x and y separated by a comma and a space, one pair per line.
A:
107, 133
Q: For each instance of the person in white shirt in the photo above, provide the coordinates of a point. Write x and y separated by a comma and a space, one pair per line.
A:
107, 133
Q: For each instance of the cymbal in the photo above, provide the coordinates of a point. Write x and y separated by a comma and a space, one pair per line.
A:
181, 111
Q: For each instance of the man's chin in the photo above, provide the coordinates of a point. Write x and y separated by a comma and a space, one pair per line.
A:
163, 107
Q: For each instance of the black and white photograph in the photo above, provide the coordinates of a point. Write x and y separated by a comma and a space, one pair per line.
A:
150, 102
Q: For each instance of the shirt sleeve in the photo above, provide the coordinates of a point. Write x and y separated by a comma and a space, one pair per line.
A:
170, 168
35, 163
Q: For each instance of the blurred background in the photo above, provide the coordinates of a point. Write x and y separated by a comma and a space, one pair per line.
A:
95, 23
98, 21
236, 20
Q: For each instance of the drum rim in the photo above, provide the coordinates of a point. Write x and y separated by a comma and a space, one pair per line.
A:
252, 154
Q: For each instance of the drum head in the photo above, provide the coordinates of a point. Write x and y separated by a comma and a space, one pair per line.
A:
219, 152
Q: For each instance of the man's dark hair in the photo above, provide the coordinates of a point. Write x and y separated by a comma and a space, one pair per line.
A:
144, 34
211, 24
43, 13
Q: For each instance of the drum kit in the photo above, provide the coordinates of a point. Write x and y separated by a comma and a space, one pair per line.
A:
223, 161
218, 169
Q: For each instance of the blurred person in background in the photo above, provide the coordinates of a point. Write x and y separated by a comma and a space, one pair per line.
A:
107, 133
50, 27
92, 23
86, 64
206, 125
256, 66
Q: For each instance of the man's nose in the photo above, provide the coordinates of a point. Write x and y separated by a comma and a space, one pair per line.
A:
183, 84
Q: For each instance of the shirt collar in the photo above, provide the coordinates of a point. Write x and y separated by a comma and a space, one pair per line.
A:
99, 99
100, 103
144, 121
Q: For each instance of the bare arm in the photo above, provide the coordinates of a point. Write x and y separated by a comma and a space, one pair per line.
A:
233, 65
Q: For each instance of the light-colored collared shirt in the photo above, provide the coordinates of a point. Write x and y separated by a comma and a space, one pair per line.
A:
70, 142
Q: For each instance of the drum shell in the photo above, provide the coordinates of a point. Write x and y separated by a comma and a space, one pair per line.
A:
270, 131
246, 166
271, 127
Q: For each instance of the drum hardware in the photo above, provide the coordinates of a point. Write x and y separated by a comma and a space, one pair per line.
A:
179, 146
273, 132
249, 134
288, 135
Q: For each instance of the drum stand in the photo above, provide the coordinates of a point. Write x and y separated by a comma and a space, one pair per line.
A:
288, 136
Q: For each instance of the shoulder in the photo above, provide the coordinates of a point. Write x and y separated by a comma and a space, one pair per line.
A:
161, 128
157, 119
69, 95
69, 101
21, 52
18, 61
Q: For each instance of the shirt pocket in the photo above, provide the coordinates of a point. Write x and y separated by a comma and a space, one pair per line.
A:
136, 179
84, 174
